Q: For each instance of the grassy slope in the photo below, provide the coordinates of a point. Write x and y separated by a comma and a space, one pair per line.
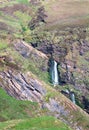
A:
14, 21
60, 14
15, 26
20, 112
26, 109
7, 49
40, 123
11, 108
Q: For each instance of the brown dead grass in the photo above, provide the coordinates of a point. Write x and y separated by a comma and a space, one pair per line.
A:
15, 7
66, 12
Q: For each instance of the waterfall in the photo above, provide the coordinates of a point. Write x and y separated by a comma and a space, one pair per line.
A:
54, 72
72, 96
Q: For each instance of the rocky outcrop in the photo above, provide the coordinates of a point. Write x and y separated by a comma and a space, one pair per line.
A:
27, 51
70, 48
25, 86
22, 86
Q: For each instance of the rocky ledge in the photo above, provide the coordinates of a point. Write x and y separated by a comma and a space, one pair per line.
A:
22, 86
25, 86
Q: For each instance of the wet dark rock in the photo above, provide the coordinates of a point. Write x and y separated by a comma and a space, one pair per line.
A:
85, 103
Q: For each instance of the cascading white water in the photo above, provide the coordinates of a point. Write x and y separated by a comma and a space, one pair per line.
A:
54, 71
72, 96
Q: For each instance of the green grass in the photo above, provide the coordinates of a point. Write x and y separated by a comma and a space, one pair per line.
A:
23, 17
11, 108
17, 111
23, 1
3, 44
42, 123
39, 123
17, 21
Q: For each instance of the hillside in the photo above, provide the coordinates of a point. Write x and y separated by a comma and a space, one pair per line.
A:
44, 63
25, 115
63, 13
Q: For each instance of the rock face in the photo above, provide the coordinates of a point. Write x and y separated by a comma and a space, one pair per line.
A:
70, 48
71, 52
25, 86
22, 86
27, 51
